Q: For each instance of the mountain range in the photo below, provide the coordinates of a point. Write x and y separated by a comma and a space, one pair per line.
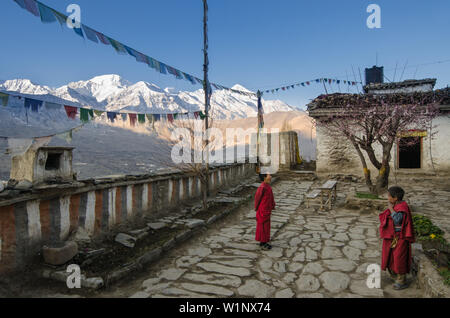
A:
113, 93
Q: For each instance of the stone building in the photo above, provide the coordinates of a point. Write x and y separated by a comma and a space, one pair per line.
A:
427, 155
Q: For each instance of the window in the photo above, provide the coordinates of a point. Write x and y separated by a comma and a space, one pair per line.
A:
410, 153
53, 161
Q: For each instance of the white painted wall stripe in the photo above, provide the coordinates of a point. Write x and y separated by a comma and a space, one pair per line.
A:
112, 207
65, 217
145, 206
129, 201
34, 221
90, 213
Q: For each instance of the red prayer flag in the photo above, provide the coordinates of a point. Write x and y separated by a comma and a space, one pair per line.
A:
133, 119
196, 114
170, 118
71, 111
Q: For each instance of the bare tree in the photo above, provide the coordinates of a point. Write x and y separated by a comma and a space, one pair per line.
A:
368, 120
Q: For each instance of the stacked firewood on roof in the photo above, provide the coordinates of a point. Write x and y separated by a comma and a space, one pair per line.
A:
441, 97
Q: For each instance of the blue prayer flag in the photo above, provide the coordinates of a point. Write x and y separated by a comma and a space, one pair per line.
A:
47, 15
79, 32
33, 103
90, 34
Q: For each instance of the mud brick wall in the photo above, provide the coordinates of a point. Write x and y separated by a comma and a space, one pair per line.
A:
29, 222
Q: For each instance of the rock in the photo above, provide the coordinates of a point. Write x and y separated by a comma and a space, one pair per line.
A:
295, 242
235, 263
151, 282
126, 240
92, 283
289, 278
23, 185
285, 293
242, 253
307, 283
334, 243
299, 257
140, 295
81, 235
311, 255
295, 267
215, 279
334, 282
208, 289
330, 252
256, 289
221, 269
150, 256
2, 186
183, 236
352, 253
310, 295
341, 237
60, 255
313, 268
372, 254
358, 244
341, 264
193, 223
200, 251
280, 266
187, 261
359, 287
171, 274
156, 226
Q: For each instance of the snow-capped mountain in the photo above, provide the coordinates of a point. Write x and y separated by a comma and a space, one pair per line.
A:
113, 93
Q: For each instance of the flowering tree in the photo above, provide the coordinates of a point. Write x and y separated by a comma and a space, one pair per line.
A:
367, 120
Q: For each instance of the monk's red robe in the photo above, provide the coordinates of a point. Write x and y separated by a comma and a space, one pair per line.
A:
397, 259
264, 204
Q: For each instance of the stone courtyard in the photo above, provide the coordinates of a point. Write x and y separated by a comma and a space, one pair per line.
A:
315, 255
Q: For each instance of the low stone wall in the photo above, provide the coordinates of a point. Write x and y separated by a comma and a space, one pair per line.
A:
29, 221
428, 277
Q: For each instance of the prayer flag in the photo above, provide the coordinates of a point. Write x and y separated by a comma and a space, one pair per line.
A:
149, 118
162, 68
47, 15
141, 118
196, 115
4, 99
34, 104
111, 116
79, 32
103, 38
71, 111
62, 19
133, 119
117, 46
84, 115
21, 3
32, 7
90, 34
124, 117
98, 113
202, 116
157, 117
170, 118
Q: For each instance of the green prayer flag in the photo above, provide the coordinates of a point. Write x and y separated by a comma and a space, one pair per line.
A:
91, 113
4, 98
202, 116
149, 118
141, 118
84, 115
175, 116
98, 113
117, 46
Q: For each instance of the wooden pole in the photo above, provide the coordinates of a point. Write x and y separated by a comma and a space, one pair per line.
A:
206, 86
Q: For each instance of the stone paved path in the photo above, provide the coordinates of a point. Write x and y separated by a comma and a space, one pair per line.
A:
314, 255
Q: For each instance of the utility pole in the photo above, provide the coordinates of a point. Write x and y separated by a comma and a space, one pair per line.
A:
206, 86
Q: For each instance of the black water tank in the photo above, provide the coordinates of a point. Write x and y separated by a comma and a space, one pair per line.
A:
374, 75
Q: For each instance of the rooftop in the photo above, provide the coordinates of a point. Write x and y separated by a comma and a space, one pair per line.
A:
397, 85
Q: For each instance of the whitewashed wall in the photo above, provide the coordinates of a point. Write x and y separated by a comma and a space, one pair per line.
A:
339, 156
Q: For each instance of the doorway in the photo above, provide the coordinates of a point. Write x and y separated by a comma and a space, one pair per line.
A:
410, 153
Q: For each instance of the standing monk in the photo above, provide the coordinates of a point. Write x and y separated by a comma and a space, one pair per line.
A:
264, 204
397, 232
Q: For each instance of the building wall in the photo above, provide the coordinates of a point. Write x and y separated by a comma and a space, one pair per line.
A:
28, 224
337, 155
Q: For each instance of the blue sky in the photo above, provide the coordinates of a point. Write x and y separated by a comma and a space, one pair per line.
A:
260, 44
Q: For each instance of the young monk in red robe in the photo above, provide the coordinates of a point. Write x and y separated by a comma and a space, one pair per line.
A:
264, 204
397, 232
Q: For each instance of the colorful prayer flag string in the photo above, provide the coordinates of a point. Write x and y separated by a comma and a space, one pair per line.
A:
49, 15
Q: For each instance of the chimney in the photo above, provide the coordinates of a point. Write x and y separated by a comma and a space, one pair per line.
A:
374, 75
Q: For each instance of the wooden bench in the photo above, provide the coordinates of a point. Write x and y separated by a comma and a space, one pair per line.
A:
327, 190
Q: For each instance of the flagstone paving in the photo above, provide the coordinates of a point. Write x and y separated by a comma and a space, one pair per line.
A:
314, 255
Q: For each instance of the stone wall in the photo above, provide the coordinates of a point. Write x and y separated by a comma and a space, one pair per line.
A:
29, 221
337, 155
